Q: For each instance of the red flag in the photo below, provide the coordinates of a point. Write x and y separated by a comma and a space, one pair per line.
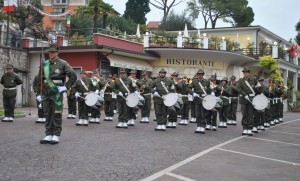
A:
8, 6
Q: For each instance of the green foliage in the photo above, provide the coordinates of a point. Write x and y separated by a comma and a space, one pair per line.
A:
236, 12
25, 16
270, 64
231, 45
298, 35
120, 24
136, 10
81, 23
176, 22
214, 42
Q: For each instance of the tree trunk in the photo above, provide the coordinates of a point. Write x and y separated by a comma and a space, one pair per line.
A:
96, 17
104, 21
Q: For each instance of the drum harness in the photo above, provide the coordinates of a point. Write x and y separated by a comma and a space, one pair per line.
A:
124, 87
84, 87
201, 86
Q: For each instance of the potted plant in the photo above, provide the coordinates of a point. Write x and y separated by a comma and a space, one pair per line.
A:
296, 107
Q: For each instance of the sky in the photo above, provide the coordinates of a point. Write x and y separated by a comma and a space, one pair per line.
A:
278, 16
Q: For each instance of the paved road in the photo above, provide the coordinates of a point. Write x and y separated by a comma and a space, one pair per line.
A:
102, 152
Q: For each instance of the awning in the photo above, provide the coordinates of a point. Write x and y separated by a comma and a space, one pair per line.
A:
129, 63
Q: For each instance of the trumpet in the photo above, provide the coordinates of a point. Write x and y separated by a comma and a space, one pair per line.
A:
142, 89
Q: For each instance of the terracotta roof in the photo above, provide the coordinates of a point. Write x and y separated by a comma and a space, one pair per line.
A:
153, 24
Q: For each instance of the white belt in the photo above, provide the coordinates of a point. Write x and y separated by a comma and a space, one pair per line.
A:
147, 94
84, 93
108, 93
252, 95
12, 88
54, 81
224, 97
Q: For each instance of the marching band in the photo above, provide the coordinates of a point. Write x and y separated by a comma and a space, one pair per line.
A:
196, 100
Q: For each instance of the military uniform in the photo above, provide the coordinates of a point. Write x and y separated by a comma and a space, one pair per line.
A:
72, 108
122, 91
9, 80
98, 84
199, 88
278, 101
186, 97
109, 100
193, 111
225, 93
82, 87
245, 87
55, 72
36, 89
211, 115
173, 113
160, 87
233, 102
132, 111
259, 115
146, 93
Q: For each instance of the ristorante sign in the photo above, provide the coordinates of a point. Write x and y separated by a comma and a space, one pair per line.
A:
186, 62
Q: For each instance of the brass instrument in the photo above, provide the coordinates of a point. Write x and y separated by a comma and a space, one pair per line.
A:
142, 89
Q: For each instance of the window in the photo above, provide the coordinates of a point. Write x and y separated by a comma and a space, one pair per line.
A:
59, 26
60, 1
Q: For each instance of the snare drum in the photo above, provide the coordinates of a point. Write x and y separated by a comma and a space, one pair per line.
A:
260, 102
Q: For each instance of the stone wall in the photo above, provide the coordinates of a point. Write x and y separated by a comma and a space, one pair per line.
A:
19, 59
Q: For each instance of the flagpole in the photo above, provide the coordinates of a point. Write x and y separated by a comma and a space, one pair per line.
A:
7, 30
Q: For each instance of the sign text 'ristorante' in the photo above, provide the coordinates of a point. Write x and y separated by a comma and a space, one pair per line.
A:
186, 62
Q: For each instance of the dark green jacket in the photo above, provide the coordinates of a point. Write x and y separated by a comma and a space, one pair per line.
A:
244, 90
108, 91
147, 82
118, 86
194, 87
10, 80
79, 87
157, 86
182, 88
59, 71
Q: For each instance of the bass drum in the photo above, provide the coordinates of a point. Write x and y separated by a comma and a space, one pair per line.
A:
260, 102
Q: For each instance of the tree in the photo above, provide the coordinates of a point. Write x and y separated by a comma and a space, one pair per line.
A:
25, 16
121, 24
298, 35
241, 18
165, 6
137, 10
98, 8
270, 64
176, 22
212, 10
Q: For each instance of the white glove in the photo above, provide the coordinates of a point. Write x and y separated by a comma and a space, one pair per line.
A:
77, 94
155, 94
213, 94
120, 94
247, 98
195, 95
61, 88
39, 98
97, 92
136, 92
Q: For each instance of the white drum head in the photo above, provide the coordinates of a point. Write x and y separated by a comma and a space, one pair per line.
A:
170, 99
209, 102
91, 99
260, 102
132, 100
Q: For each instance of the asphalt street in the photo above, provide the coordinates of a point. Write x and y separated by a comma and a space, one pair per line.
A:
103, 152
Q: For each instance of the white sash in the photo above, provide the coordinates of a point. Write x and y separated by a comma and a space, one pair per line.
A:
247, 83
202, 88
84, 85
124, 85
166, 89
